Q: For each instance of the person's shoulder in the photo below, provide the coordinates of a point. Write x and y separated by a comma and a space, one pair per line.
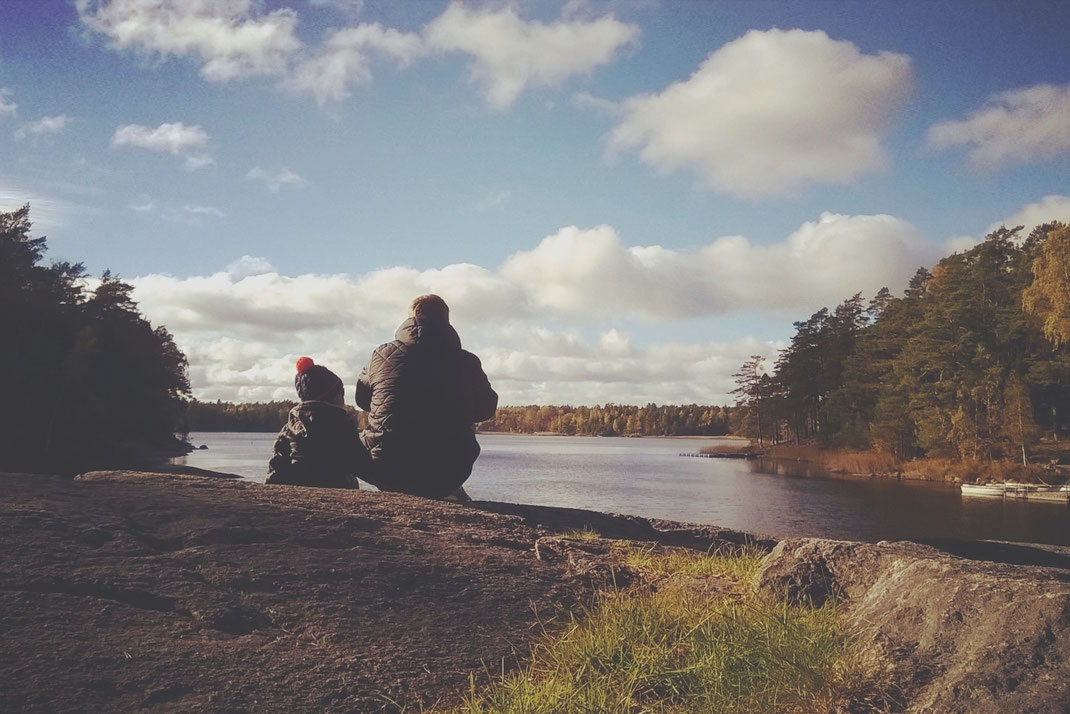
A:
388, 349
471, 358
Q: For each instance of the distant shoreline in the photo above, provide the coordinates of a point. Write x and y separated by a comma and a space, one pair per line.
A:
614, 436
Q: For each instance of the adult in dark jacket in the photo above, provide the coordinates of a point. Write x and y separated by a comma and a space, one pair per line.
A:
423, 394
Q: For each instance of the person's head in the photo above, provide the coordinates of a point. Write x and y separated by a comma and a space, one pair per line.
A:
317, 383
430, 307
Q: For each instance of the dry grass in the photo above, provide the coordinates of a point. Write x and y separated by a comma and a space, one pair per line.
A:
930, 469
678, 650
970, 471
737, 448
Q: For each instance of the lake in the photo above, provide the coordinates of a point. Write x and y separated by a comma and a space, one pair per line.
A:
648, 477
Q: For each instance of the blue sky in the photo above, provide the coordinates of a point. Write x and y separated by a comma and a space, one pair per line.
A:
621, 201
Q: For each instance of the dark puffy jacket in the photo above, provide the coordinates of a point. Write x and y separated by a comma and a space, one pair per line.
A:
319, 446
423, 393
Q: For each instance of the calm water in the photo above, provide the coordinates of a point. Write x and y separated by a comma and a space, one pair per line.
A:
648, 477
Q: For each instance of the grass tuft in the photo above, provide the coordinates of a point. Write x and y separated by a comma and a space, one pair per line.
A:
738, 563
678, 649
585, 533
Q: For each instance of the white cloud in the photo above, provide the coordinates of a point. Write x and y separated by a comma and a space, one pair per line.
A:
235, 39
494, 199
585, 100
174, 138
46, 211
527, 318
203, 210
45, 126
1021, 125
771, 112
145, 205
230, 37
578, 273
249, 265
345, 59
277, 179
348, 7
510, 54
1048, 209
242, 333
7, 109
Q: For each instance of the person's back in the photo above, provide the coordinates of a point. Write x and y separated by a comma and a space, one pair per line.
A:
423, 393
320, 444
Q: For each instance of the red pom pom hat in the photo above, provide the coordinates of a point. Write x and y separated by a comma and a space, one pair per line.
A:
315, 382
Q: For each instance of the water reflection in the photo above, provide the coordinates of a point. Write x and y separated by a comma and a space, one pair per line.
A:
648, 477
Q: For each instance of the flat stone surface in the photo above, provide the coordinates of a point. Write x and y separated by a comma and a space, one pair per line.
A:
126, 590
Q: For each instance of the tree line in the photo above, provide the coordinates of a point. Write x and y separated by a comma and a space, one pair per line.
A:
971, 362
614, 420
608, 420
87, 382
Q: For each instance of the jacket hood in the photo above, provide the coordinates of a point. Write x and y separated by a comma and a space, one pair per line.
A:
435, 333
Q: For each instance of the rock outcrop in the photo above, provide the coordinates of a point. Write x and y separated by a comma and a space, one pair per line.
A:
968, 626
126, 590
121, 591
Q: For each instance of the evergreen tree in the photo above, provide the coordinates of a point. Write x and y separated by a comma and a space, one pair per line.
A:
87, 381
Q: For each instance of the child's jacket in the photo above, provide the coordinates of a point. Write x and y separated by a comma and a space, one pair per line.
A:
319, 446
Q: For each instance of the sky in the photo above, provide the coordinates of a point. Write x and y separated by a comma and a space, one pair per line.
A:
620, 200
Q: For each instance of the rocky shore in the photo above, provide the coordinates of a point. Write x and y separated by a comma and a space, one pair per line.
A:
166, 592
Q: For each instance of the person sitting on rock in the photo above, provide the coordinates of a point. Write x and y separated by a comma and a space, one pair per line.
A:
423, 394
320, 444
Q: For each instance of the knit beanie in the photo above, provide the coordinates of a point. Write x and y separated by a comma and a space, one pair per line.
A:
315, 383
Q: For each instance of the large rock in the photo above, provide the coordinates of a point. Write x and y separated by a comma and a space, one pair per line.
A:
124, 591
967, 626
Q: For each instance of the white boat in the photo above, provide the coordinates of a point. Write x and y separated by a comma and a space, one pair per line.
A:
988, 490
1012, 489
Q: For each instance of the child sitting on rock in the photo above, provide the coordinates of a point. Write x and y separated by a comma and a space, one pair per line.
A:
320, 444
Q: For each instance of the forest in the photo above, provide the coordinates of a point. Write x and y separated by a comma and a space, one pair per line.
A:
87, 381
971, 363
608, 420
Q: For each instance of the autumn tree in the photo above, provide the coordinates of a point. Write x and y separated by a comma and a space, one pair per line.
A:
1048, 298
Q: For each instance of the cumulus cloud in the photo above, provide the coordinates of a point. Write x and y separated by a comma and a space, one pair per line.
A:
45, 126
529, 318
579, 273
7, 108
249, 265
1048, 209
233, 39
510, 54
771, 112
229, 37
345, 58
559, 368
1021, 125
174, 138
275, 180
242, 329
